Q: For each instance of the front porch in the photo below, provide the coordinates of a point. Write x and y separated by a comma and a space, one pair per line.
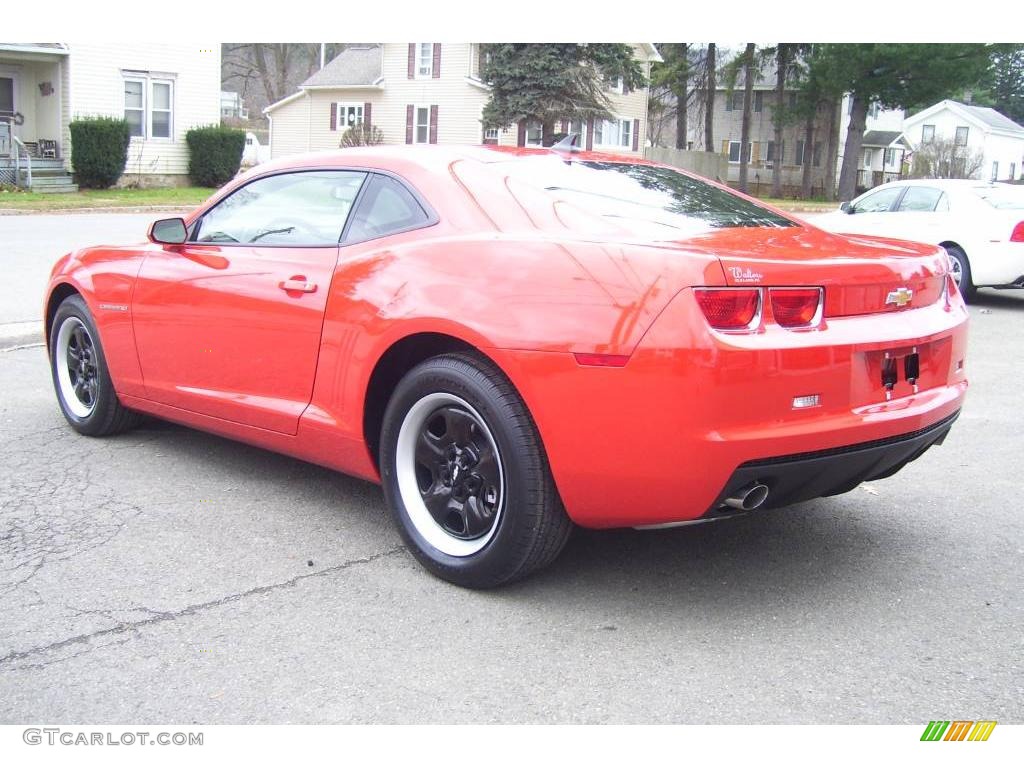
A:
34, 114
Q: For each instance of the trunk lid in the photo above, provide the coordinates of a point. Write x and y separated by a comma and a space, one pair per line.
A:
860, 274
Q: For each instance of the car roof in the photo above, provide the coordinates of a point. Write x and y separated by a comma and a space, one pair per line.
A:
435, 156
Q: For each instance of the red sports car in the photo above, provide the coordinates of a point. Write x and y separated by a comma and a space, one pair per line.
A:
513, 341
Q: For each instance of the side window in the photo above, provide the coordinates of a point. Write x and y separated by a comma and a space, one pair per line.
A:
386, 208
306, 208
877, 202
920, 199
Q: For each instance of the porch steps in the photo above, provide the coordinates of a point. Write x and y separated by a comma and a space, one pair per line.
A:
48, 175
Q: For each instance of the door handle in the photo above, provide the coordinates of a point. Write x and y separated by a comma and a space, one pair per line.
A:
298, 284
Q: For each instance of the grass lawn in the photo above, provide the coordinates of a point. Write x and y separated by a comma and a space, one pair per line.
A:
184, 197
801, 205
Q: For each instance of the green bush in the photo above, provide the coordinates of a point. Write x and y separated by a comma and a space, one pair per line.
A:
99, 150
215, 154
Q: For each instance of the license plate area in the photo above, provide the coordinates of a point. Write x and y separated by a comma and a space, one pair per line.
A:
902, 371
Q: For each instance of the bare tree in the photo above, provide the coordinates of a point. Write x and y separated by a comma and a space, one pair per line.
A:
945, 159
749, 70
709, 100
362, 135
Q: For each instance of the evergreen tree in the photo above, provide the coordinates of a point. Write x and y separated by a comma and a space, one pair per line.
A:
550, 82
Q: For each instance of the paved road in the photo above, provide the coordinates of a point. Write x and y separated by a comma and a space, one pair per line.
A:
29, 245
171, 576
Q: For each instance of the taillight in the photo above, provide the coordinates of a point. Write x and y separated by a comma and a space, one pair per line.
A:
729, 309
796, 307
1018, 233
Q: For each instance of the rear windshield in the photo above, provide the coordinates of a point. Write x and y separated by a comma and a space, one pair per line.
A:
643, 194
1002, 196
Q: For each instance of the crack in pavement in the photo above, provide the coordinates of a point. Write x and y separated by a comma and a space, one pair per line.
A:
189, 610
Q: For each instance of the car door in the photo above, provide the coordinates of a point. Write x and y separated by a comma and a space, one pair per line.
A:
921, 215
229, 323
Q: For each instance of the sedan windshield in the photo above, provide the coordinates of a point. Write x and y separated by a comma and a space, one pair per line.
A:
633, 193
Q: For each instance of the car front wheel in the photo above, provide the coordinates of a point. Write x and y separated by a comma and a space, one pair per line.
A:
466, 477
80, 376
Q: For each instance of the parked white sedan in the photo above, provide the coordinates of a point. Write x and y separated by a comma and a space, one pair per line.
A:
980, 224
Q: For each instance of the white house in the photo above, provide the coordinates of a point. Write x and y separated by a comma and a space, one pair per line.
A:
882, 150
429, 93
162, 89
982, 130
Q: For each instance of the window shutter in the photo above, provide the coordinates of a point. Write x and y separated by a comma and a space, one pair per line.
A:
412, 60
636, 135
521, 134
334, 115
725, 147
409, 109
756, 159
590, 134
625, 87
565, 126
367, 114
437, 61
433, 120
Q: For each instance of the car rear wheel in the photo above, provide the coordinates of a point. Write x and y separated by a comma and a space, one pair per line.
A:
80, 375
961, 269
465, 475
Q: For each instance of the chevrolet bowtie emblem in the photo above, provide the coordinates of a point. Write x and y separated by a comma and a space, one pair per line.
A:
900, 297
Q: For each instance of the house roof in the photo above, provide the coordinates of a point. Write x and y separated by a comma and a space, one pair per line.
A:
880, 138
356, 65
990, 117
985, 117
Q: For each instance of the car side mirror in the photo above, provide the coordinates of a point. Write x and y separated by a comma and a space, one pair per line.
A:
845, 207
168, 231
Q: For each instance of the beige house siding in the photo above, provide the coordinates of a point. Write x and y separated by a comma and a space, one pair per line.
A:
97, 88
304, 123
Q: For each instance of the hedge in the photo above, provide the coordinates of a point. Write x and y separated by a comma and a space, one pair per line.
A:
99, 150
215, 154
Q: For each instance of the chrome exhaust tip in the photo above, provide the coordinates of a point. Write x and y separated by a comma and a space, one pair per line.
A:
749, 498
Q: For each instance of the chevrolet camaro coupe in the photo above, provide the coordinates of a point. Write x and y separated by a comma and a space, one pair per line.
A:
514, 341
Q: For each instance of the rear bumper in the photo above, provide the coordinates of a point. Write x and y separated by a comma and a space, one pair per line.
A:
806, 476
662, 439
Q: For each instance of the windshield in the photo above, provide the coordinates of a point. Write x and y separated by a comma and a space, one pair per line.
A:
1001, 196
661, 198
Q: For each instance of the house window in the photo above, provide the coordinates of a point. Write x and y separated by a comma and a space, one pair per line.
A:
421, 125
351, 115
424, 59
927, 134
995, 170
873, 109
758, 101
771, 156
534, 134
869, 156
734, 102
961, 136
614, 84
1013, 172
800, 152
160, 112
734, 151
149, 107
580, 129
135, 106
890, 156
491, 136
613, 133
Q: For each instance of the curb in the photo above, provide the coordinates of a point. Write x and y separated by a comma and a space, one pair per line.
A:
20, 335
105, 209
